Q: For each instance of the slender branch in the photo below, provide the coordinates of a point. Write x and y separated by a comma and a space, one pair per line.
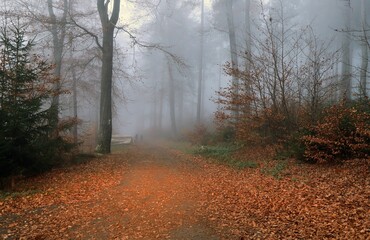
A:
152, 46
88, 32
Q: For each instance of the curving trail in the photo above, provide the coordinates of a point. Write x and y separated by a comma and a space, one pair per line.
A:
155, 192
141, 192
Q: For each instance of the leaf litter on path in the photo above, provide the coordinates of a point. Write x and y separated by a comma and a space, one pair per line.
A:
153, 192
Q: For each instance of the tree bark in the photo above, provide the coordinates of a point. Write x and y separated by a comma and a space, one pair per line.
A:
58, 31
75, 115
345, 87
171, 85
74, 82
364, 51
200, 73
233, 53
248, 39
108, 25
248, 53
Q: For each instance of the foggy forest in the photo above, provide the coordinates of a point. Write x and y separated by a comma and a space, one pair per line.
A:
192, 119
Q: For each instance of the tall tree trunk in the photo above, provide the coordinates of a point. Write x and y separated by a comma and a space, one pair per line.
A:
171, 85
161, 96
74, 81
336, 93
234, 56
58, 31
155, 107
316, 84
74, 93
180, 100
248, 54
365, 54
160, 113
108, 25
248, 38
200, 73
345, 87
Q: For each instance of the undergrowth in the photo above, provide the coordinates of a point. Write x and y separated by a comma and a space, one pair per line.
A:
225, 154
82, 158
182, 146
11, 194
277, 170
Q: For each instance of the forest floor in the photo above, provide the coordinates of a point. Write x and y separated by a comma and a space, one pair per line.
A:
158, 192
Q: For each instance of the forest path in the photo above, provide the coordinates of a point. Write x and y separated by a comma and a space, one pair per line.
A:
163, 199
141, 192
156, 192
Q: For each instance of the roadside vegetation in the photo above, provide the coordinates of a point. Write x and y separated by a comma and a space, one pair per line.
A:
32, 140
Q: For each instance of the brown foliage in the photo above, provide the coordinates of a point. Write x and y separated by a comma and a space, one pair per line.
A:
343, 133
275, 93
252, 125
310, 202
199, 136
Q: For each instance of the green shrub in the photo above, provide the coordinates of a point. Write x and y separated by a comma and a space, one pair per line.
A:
227, 134
293, 147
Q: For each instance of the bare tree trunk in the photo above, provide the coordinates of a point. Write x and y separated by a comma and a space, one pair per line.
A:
155, 107
108, 25
200, 73
365, 54
345, 87
160, 113
171, 85
74, 82
233, 53
248, 39
58, 31
335, 92
248, 53
180, 100
74, 93
316, 84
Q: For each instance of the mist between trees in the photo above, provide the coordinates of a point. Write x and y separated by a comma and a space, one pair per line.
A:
258, 72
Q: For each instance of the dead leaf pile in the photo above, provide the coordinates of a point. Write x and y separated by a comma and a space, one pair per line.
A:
314, 202
159, 193
59, 200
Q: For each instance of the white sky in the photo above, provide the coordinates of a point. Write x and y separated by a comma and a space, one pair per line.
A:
128, 12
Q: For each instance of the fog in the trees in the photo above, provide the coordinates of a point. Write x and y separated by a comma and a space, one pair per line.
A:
163, 58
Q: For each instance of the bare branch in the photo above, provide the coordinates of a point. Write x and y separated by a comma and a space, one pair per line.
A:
134, 40
88, 32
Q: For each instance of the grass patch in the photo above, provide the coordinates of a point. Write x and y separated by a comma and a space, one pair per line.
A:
224, 155
9, 194
276, 171
218, 152
182, 146
243, 164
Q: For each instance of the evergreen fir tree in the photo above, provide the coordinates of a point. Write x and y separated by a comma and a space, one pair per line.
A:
27, 144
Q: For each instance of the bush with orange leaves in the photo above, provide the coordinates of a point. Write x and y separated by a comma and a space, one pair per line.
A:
343, 133
199, 135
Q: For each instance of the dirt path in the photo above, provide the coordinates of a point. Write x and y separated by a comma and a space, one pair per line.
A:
153, 192
162, 186
144, 192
